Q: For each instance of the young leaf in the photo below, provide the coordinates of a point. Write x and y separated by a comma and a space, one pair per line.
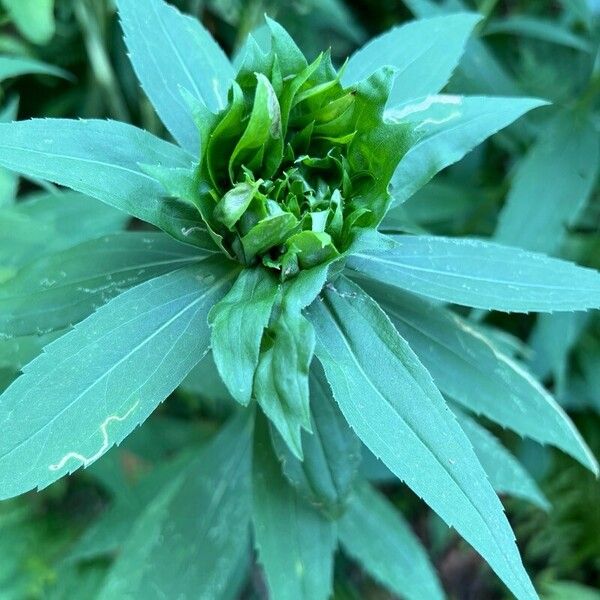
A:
106, 376
424, 54
332, 453
170, 51
102, 159
446, 129
203, 512
238, 322
13, 66
562, 168
468, 367
295, 543
60, 289
375, 534
281, 380
506, 474
481, 274
390, 401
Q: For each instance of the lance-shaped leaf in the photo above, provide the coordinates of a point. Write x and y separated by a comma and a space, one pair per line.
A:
202, 512
446, 128
106, 376
481, 274
102, 159
295, 543
562, 168
424, 54
469, 367
391, 402
506, 474
281, 381
376, 535
13, 66
238, 322
59, 290
170, 52
332, 453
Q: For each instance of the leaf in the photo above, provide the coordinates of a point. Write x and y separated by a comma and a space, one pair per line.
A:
8, 180
295, 543
60, 289
238, 322
506, 474
102, 159
169, 52
267, 233
376, 535
106, 376
424, 54
562, 168
481, 274
535, 28
446, 129
14, 66
34, 18
281, 380
202, 512
390, 401
469, 367
332, 453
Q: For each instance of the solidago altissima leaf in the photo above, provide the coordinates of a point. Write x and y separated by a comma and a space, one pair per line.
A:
106, 376
391, 402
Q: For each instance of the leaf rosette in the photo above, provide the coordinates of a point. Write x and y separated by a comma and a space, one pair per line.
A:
296, 163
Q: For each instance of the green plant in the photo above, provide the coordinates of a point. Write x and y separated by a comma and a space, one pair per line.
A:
272, 200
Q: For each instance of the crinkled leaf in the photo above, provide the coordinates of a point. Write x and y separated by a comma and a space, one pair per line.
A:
391, 402
170, 51
60, 289
506, 474
374, 533
468, 366
238, 322
295, 543
106, 376
446, 128
481, 274
560, 170
102, 159
424, 54
281, 380
331, 453
202, 512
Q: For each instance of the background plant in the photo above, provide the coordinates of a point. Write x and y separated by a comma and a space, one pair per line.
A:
400, 223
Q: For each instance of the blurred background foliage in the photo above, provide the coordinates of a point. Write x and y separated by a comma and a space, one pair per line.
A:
535, 185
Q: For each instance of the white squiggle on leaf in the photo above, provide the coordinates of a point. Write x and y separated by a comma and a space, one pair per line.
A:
85, 460
396, 115
428, 122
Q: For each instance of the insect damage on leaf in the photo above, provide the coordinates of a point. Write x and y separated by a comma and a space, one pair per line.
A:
295, 164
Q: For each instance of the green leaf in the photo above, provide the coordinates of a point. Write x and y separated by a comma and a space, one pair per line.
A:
8, 180
60, 289
424, 54
267, 233
238, 322
234, 203
170, 51
535, 28
202, 512
562, 168
469, 367
34, 18
106, 376
481, 274
102, 159
332, 453
446, 129
506, 474
376, 535
391, 402
298, 564
281, 380
13, 66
